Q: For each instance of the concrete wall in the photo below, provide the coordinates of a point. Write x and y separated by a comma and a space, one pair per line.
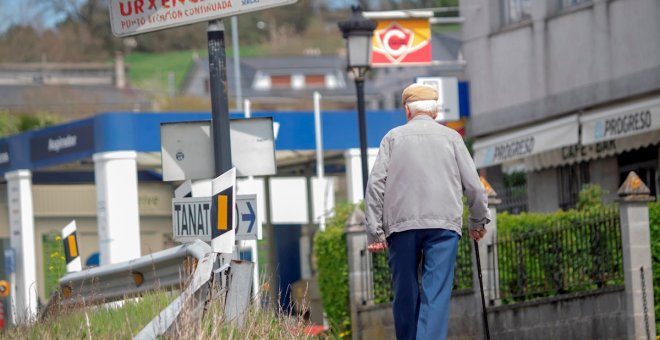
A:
377, 322
542, 191
588, 315
559, 61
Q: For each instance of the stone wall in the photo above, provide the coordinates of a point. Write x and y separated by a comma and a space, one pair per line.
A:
587, 315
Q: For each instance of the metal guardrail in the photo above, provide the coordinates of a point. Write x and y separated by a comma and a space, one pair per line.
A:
161, 270
194, 268
194, 295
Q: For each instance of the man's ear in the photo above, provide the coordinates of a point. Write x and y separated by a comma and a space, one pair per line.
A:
408, 114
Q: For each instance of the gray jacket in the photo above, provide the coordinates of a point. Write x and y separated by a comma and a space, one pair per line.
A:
418, 180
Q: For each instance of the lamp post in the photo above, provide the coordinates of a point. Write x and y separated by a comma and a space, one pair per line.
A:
357, 31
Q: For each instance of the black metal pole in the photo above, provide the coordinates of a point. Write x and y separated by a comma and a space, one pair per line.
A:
481, 286
362, 125
219, 101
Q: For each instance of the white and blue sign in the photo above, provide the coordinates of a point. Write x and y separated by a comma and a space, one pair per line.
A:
247, 221
64, 142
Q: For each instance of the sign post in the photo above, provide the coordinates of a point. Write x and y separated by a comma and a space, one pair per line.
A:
71, 250
219, 101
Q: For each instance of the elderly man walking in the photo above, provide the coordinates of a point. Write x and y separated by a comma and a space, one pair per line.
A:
414, 207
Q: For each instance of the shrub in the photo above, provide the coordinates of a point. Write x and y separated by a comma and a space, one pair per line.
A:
566, 251
654, 221
590, 197
332, 262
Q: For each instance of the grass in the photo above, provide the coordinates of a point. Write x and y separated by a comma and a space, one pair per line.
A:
127, 321
96, 322
150, 71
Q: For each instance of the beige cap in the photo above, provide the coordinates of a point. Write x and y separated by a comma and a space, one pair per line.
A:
416, 92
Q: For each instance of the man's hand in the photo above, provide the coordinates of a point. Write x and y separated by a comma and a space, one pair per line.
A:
377, 246
478, 233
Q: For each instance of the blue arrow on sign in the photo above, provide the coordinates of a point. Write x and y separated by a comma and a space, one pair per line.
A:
251, 217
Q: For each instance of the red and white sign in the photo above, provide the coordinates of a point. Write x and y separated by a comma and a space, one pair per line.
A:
402, 42
130, 17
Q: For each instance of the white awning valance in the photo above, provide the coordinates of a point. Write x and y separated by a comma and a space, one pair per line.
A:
582, 153
621, 121
526, 142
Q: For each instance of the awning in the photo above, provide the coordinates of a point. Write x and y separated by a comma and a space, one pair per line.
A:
621, 121
526, 142
581, 153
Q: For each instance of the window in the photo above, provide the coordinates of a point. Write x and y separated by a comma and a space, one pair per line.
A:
514, 11
315, 80
570, 3
280, 81
571, 179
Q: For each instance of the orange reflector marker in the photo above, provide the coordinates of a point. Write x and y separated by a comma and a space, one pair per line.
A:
4, 288
222, 212
66, 291
73, 246
138, 278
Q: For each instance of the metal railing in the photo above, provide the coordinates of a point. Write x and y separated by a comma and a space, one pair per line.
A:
164, 270
377, 282
579, 252
514, 199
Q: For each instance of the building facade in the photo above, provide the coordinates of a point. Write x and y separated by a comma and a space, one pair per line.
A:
566, 92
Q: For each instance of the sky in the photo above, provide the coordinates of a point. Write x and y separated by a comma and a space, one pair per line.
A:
21, 11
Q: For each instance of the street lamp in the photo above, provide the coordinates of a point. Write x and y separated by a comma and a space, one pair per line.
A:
357, 31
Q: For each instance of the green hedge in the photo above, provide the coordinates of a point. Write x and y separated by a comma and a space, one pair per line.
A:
332, 263
543, 255
654, 220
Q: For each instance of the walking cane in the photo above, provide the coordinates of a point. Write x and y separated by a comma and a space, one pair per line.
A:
481, 286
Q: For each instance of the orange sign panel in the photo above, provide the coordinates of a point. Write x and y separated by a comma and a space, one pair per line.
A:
401, 42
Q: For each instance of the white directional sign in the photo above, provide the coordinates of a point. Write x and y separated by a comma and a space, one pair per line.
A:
248, 223
191, 219
130, 17
186, 148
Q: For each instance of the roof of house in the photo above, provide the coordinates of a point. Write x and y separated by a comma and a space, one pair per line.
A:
71, 100
307, 65
446, 49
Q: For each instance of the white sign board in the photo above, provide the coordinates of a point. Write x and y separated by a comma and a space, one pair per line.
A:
187, 149
288, 200
248, 225
253, 146
447, 88
130, 17
191, 219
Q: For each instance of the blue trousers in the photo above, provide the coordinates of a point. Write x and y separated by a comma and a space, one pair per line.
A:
422, 314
